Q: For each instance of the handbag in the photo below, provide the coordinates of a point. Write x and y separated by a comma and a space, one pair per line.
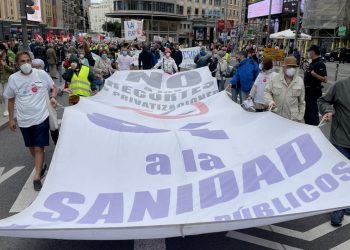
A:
52, 114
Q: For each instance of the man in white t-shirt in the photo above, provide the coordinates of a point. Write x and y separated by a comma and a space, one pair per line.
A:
28, 89
124, 60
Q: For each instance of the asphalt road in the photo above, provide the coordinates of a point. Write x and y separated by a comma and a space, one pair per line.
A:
16, 167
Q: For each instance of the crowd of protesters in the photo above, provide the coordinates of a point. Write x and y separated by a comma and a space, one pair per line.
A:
85, 66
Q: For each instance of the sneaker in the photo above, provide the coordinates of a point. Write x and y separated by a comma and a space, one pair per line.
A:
6, 113
337, 218
347, 211
37, 185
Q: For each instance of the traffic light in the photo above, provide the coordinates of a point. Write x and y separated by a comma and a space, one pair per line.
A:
293, 23
29, 6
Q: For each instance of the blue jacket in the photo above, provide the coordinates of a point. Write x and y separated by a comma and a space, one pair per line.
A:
247, 72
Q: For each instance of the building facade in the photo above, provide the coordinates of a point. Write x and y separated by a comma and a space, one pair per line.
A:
184, 21
9, 18
97, 16
70, 15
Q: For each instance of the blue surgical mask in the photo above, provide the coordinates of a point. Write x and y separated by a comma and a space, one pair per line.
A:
104, 56
124, 53
202, 53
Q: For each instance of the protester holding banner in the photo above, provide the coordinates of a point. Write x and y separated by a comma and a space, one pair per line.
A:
336, 102
167, 64
28, 89
257, 93
221, 70
81, 80
243, 80
285, 92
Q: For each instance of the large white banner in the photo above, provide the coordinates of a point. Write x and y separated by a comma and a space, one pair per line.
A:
36, 17
122, 170
133, 29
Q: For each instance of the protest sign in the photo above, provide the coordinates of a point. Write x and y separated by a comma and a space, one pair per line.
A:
133, 29
138, 170
188, 55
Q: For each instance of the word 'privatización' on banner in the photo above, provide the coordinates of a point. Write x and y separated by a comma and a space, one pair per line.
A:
196, 164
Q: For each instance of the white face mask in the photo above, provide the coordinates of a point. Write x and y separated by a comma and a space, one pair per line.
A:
167, 54
261, 66
26, 68
291, 72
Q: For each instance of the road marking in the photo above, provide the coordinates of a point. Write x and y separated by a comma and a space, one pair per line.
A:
25, 197
310, 235
258, 241
156, 244
8, 174
344, 246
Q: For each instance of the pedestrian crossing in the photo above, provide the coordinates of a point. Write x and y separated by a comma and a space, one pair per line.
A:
241, 239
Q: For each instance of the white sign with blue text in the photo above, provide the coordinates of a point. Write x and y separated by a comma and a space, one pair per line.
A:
126, 168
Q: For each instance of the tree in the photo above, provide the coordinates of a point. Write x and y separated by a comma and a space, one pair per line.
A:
114, 27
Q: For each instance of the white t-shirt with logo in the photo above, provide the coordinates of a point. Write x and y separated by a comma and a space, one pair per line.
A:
124, 62
30, 93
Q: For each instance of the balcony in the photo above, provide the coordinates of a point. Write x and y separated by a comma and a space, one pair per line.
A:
146, 9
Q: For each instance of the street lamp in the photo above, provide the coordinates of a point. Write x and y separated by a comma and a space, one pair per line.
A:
269, 24
297, 26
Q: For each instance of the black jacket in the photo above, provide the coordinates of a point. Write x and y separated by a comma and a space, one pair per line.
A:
145, 59
177, 56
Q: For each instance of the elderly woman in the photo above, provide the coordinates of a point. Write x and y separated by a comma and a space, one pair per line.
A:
285, 92
103, 69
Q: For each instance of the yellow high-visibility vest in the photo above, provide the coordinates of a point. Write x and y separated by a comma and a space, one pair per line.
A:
80, 84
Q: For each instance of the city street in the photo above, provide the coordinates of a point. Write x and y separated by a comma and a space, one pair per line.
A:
16, 193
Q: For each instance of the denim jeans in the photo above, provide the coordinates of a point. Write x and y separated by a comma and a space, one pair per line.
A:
238, 92
221, 84
340, 213
344, 151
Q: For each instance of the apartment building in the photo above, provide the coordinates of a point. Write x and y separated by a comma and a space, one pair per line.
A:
184, 21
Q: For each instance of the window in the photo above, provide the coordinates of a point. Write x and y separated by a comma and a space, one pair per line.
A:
196, 11
204, 1
188, 10
181, 11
